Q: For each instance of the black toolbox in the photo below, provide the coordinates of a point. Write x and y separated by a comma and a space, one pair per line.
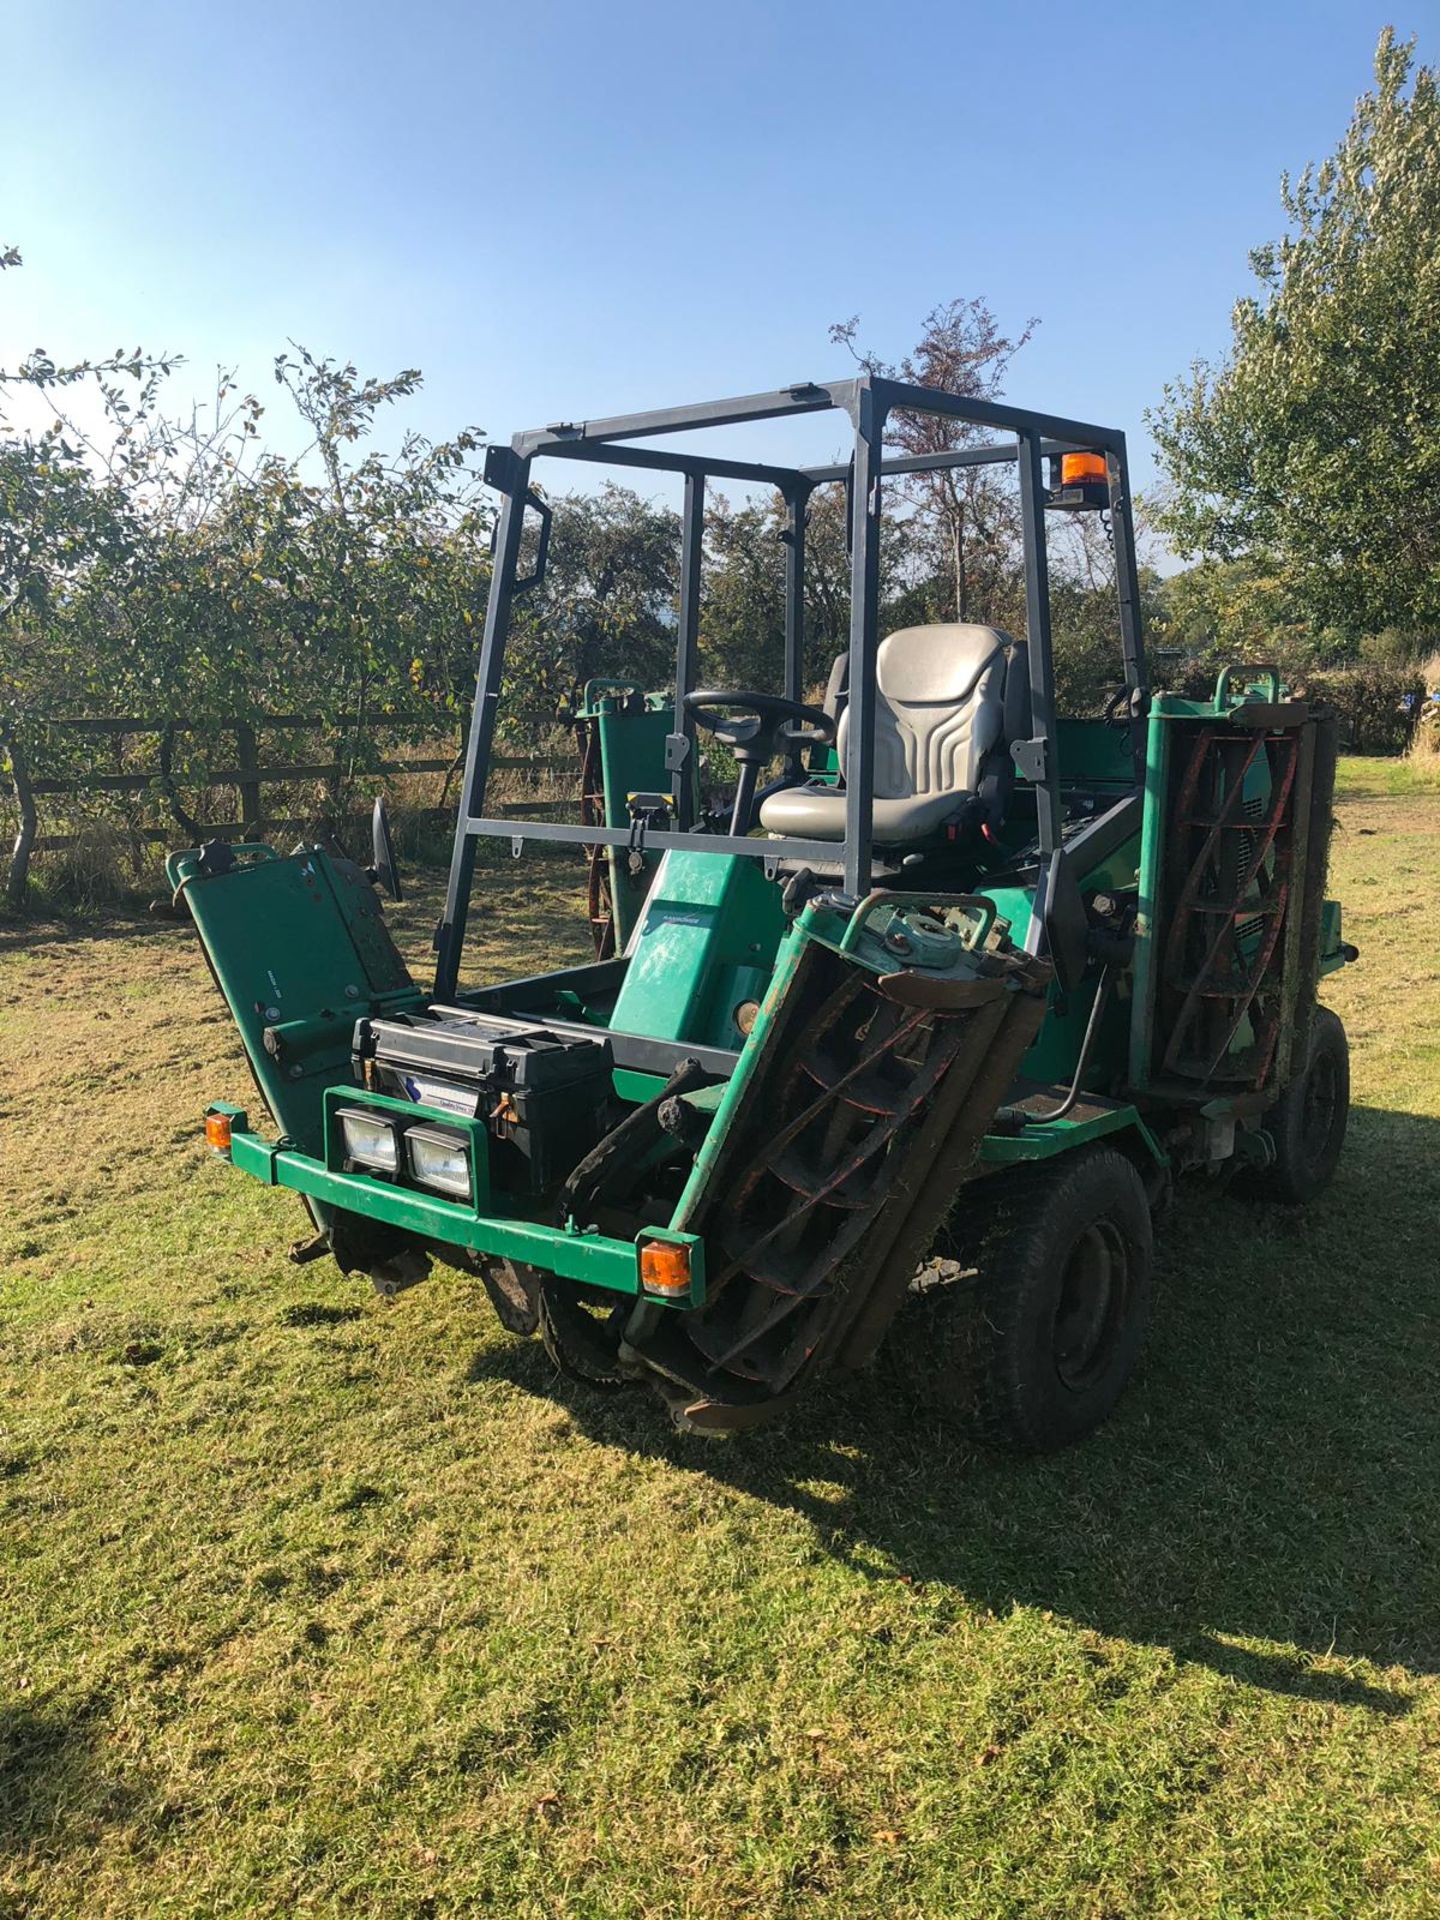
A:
543, 1095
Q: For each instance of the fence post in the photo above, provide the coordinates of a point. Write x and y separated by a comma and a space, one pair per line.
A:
248, 762
137, 844
19, 874
167, 786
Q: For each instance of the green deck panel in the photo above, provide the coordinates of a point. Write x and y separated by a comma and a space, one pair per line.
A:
736, 1089
1092, 752
706, 942
1055, 1051
1056, 1047
298, 944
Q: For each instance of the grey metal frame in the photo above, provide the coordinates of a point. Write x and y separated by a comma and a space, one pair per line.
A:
868, 400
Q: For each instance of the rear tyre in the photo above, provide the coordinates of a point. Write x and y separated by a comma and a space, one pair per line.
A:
1035, 1352
1307, 1124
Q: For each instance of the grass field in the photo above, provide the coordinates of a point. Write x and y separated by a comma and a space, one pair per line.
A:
311, 1604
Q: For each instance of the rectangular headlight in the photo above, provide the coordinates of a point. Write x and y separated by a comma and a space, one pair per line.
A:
369, 1139
439, 1160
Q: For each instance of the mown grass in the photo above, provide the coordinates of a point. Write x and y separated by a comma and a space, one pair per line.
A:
1416, 776
317, 1605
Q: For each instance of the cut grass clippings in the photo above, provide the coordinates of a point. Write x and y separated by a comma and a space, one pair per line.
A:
313, 1604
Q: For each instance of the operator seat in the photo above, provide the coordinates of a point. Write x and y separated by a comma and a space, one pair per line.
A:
948, 700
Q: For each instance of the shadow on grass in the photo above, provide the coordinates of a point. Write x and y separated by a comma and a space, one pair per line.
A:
49, 1778
1271, 1475
116, 923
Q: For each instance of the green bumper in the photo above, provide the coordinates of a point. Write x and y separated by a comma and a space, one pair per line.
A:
594, 1258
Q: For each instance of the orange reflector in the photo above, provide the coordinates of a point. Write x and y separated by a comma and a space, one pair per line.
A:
664, 1268
217, 1131
1078, 467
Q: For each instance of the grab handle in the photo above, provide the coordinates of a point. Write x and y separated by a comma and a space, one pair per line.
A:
977, 903
1247, 677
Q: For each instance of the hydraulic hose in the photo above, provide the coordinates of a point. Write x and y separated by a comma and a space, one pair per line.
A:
1018, 1117
637, 1124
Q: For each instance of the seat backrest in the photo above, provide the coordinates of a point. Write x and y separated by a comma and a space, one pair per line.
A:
835, 687
939, 708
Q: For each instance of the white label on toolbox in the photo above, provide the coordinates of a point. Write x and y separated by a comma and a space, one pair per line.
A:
442, 1093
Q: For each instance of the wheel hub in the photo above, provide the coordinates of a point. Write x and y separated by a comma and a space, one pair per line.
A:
1091, 1306
1321, 1100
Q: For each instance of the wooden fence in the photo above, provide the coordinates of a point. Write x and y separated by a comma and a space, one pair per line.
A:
248, 776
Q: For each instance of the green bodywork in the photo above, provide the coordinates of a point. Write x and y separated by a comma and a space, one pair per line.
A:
300, 951
573, 1255
705, 947
625, 730
301, 938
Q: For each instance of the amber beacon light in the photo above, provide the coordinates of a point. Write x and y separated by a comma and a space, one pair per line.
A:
1077, 468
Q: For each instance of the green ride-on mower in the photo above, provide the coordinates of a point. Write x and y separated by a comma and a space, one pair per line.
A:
940, 1008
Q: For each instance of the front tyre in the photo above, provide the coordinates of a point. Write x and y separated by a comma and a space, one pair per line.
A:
1039, 1348
1307, 1123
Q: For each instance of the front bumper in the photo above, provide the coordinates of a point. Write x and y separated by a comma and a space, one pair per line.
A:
597, 1259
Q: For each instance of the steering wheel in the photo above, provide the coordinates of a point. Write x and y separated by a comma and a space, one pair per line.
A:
763, 723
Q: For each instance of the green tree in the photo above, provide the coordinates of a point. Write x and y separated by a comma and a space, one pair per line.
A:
343, 582
605, 608
1315, 447
966, 518
1245, 609
173, 568
742, 615
66, 511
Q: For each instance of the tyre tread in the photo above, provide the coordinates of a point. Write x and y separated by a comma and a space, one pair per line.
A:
961, 1349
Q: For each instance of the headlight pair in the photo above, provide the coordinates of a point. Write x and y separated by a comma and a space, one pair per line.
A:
435, 1157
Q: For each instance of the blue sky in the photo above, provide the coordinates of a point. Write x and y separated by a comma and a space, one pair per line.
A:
558, 209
